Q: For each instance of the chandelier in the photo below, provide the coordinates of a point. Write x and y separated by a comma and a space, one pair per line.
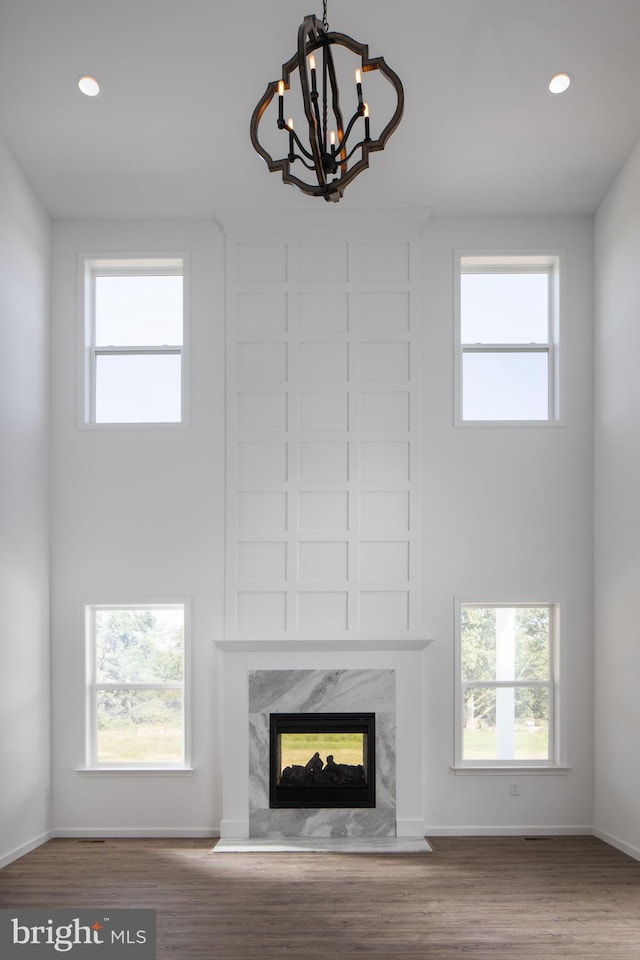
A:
326, 160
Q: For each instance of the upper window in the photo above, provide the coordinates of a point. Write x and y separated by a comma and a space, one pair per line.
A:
136, 686
508, 339
506, 685
134, 342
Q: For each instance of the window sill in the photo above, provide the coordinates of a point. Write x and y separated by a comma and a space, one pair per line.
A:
133, 772
510, 423
511, 770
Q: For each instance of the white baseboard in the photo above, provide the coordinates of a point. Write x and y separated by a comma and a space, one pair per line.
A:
94, 833
24, 848
234, 829
627, 848
520, 831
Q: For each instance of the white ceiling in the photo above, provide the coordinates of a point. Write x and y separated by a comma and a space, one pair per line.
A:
169, 136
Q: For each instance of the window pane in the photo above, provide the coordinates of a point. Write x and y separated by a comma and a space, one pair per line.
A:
138, 388
505, 643
508, 723
504, 307
139, 646
505, 386
139, 725
138, 311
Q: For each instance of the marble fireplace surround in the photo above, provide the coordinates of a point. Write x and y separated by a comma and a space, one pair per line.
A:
260, 678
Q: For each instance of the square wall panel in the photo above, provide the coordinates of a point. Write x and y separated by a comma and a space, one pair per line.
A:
384, 262
262, 262
384, 410
323, 462
261, 613
323, 312
260, 463
384, 312
262, 513
384, 361
262, 362
322, 262
328, 362
262, 412
261, 312
262, 561
384, 611
323, 412
384, 560
323, 511
381, 460
384, 511
322, 612
322, 561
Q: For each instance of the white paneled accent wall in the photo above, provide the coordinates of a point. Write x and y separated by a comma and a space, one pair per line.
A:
323, 434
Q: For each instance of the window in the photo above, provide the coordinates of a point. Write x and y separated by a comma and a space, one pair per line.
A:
506, 687
134, 341
136, 687
507, 369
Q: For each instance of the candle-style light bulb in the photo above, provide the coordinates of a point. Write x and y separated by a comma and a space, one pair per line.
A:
312, 67
281, 102
332, 140
290, 129
366, 122
359, 85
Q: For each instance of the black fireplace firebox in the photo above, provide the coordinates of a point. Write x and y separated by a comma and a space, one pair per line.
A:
322, 760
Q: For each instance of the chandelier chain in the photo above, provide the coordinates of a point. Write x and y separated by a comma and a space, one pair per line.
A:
325, 22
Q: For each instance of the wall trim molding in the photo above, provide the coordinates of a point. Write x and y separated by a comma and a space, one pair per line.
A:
517, 831
613, 841
25, 848
110, 833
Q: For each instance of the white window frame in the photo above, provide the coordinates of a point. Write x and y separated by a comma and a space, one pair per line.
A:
468, 261
92, 686
90, 267
554, 761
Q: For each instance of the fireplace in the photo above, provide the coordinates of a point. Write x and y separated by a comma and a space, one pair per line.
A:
322, 760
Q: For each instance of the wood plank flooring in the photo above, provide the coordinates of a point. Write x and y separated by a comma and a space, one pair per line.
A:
489, 898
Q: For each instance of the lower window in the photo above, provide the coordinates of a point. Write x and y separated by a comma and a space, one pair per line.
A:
136, 686
506, 700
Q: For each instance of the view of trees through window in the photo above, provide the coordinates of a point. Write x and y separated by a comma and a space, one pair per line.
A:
506, 682
139, 690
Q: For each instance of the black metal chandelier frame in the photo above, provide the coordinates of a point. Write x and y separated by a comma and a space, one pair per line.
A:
329, 151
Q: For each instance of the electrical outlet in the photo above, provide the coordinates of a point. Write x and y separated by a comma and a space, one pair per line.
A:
514, 789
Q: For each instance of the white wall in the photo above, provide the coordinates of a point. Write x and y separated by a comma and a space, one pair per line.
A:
507, 514
24, 516
617, 512
138, 517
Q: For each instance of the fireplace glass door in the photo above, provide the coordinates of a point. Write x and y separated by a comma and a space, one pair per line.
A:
322, 760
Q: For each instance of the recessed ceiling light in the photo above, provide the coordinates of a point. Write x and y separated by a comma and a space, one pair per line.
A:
559, 83
89, 86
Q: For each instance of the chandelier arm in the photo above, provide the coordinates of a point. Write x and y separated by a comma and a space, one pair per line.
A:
308, 29
342, 145
335, 101
300, 145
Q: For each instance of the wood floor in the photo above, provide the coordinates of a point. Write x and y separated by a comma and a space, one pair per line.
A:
477, 898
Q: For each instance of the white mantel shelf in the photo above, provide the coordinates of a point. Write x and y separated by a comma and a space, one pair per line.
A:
310, 646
